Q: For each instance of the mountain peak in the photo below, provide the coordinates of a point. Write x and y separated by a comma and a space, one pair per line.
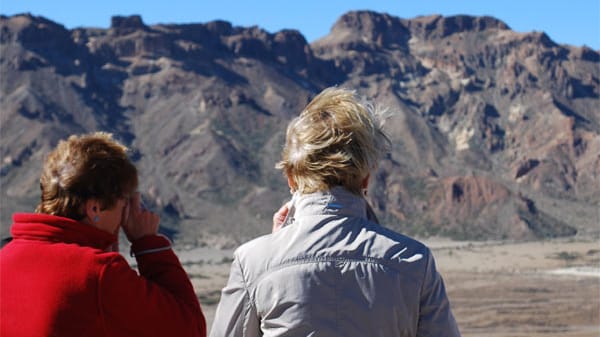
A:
379, 28
127, 24
385, 29
437, 26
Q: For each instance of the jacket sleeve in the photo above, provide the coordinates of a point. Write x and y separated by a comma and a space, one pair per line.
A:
160, 301
435, 315
236, 315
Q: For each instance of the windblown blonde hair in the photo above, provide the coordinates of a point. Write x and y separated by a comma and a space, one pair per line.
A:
336, 141
85, 167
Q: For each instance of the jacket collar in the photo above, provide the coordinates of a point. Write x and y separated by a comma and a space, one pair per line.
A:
45, 227
336, 201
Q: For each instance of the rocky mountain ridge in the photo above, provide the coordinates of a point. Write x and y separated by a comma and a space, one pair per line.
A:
496, 134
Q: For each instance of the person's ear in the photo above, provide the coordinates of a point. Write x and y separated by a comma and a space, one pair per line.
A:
291, 184
365, 182
92, 211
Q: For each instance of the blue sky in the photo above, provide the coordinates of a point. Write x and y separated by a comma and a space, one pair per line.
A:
574, 22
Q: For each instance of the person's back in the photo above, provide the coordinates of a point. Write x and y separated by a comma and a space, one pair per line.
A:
56, 279
54, 293
335, 273
330, 269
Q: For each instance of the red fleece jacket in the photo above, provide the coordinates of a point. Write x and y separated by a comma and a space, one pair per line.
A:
56, 279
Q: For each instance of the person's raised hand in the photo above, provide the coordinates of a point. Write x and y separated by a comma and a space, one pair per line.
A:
139, 221
279, 216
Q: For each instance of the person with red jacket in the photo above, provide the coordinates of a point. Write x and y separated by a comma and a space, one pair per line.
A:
61, 276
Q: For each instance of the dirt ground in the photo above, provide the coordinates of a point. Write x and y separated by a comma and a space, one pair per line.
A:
533, 289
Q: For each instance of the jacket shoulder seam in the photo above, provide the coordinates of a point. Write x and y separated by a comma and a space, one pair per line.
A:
318, 259
248, 294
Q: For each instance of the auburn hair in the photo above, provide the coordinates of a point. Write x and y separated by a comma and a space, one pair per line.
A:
83, 167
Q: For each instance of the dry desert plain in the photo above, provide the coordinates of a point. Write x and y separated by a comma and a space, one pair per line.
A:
509, 289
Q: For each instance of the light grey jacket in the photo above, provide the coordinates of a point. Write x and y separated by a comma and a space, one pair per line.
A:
332, 272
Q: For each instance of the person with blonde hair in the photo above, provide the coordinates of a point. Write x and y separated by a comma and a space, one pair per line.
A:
329, 268
61, 276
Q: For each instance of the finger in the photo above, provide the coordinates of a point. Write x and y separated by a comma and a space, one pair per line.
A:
284, 210
280, 215
136, 200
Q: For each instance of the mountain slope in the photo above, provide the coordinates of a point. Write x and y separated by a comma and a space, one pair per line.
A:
496, 134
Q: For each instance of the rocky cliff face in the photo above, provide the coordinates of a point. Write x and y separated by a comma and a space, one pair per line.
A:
496, 134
